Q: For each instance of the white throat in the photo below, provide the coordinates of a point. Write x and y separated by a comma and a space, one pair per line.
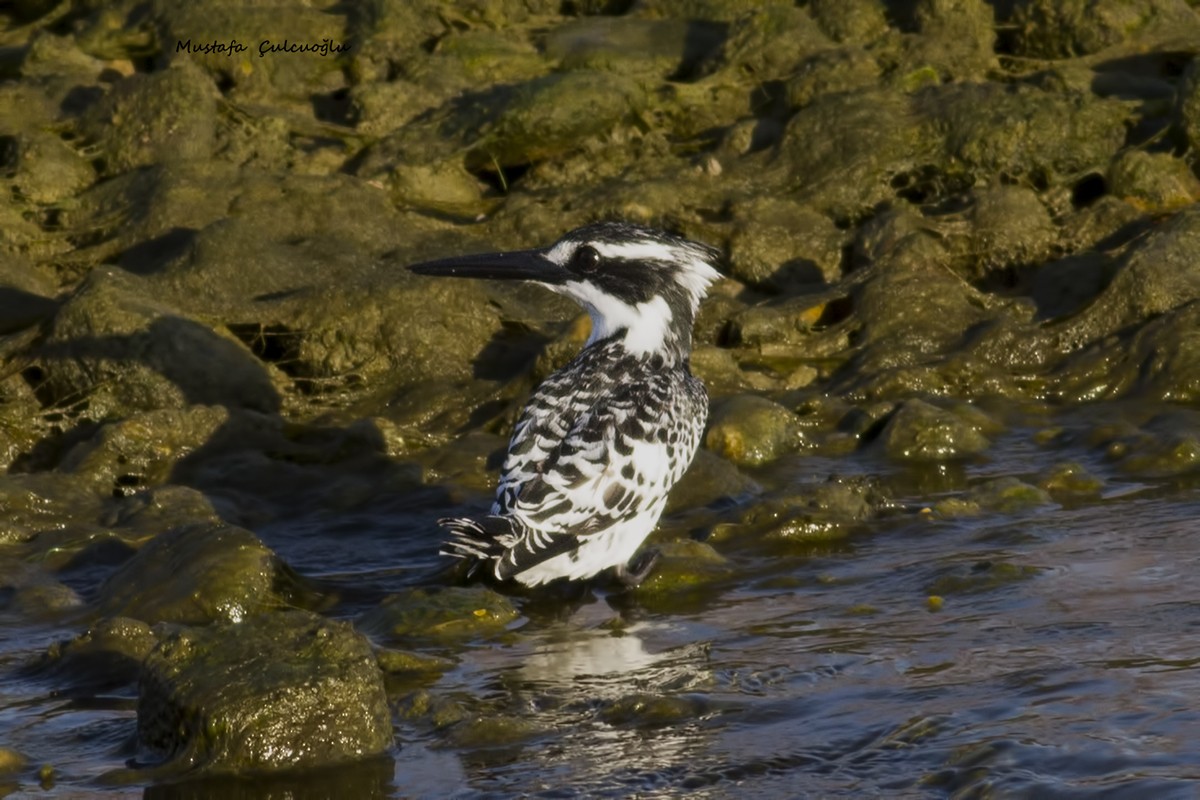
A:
646, 325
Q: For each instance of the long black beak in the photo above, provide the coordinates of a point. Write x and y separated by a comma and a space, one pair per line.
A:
521, 265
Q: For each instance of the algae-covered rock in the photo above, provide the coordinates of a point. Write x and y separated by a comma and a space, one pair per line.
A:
446, 613
780, 245
660, 47
806, 517
1153, 182
684, 568
552, 115
750, 430
983, 576
143, 449
252, 72
1157, 273
108, 654
1070, 481
1070, 28
48, 169
845, 153
989, 129
197, 574
710, 479
1010, 227
919, 431
276, 691
29, 591
41, 503
112, 344
955, 38
850, 20
646, 710
148, 118
1002, 495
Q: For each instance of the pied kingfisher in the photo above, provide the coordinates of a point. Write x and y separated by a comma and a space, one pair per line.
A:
601, 441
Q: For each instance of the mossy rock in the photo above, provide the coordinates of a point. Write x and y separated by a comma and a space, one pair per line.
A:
750, 430
919, 431
447, 613
200, 573
276, 691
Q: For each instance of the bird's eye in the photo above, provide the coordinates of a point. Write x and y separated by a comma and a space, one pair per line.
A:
586, 259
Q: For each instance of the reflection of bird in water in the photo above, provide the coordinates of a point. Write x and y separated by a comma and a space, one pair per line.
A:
604, 439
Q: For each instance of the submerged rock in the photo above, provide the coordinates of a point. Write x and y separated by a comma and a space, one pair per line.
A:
449, 613
276, 691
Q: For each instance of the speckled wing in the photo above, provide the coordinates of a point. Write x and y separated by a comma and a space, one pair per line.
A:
576, 467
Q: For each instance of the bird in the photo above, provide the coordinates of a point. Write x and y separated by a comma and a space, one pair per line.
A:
601, 441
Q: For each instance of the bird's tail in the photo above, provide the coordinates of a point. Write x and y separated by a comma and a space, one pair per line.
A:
486, 539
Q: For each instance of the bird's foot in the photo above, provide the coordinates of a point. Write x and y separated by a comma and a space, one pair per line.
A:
638, 568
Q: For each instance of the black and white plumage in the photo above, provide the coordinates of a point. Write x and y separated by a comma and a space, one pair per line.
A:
603, 440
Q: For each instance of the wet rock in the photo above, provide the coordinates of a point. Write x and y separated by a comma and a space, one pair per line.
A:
31, 592
844, 69
549, 116
11, 761
1070, 481
49, 169
1053, 29
807, 516
769, 41
142, 450
990, 130
750, 430
983, 576
431, 710
1155, 183
21, 424
109, 654
844, 153
1154, 275
448, 613
1161, 360
1165, 445
1009, 228
277, 691
850, 20
44, 502
918, 431
276, 76
406, 662
954, 37
123, 351
684, 567
780, 245
630, 45
493, 730
644, 710
200, 573
148, 118
1001, 495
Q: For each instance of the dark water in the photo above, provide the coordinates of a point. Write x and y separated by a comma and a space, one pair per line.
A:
1063, 662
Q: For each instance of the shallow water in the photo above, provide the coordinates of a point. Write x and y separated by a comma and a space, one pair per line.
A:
1061, 662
